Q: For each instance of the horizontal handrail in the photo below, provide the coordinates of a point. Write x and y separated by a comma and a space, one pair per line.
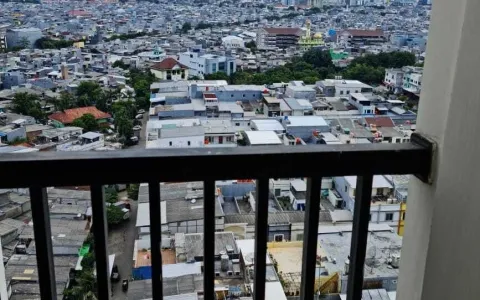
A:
191, 164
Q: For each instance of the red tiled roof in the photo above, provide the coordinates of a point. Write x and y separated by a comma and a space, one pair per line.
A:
167, 64
69, 115
279, 30
360, 32
380, 121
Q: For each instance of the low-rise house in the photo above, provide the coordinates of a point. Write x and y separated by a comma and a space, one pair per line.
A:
181, 206
381, 259
219, 133
298, 194
12, 132
299, 107
13, 204
300, 92
22, 277
69, 115
262, 138
169, 69
87, 141
384, 207
10, 229
303, 127
67, 211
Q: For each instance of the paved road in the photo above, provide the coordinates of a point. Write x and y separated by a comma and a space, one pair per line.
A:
142, 142
121, 241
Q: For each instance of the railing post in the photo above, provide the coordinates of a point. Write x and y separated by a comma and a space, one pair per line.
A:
261, 236
358, 248
155, 239
43, 240
209, 218
310, 235
99, 219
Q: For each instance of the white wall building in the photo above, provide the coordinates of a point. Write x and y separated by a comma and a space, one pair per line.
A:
232, 41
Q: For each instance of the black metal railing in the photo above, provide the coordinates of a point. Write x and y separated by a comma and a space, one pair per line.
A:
40, 170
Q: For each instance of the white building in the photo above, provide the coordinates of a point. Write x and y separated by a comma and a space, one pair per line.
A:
175, 134
232, 41
169, 69
412, 79
384, 208
219, 133
201, 64
86, 141
343, 87
394, 79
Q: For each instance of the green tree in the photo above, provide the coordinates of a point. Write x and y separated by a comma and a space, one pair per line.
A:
318, 58
29, 105
132, 191
120, 64
111, 194
217, 76
66, 101
124, 126
87, 122
88, 260
114, 215
186, 27
88, 93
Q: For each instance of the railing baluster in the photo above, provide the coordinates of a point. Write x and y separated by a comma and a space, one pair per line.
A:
361, 214
43, 240
209, 218
99, 219
261, 235
310, 235
155, 239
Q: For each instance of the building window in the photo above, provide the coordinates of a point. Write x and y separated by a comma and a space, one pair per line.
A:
348, 92
243, 95
237, 124
341, 92
403, 216
346, 189
231, 96
248, 124
389, 217
369, 217
169, 143
278, 237
188, 143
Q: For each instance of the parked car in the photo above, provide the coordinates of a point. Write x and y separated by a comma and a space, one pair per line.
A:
115, 274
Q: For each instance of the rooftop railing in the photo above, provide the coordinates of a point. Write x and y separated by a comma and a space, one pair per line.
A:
40, 170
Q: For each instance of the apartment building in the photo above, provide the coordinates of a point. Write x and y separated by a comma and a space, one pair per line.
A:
271, 37
360, 37
201, 63
16, 37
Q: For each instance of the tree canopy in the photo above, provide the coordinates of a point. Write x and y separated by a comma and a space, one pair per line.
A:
48, 43
87, 122
317, 64
114, 215
29, 105
186, 27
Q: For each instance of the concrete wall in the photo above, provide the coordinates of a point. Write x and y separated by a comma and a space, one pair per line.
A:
178, 142
240, 95
440, 246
